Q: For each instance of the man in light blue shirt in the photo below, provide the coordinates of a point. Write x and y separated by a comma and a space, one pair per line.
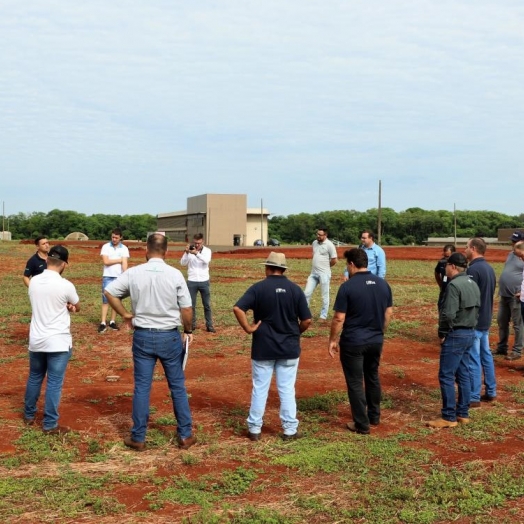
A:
376, 255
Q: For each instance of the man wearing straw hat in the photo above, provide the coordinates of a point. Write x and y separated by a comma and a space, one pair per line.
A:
280, 314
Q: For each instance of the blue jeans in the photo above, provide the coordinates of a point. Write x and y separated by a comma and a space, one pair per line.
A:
454, 367
312, 282
286, 375
203, 288
148, 347
105, 282
480, 360
54, 366
360, 365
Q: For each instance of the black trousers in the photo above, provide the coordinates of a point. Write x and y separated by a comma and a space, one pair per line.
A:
360, 365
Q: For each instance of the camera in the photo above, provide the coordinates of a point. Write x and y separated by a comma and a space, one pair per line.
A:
192, 247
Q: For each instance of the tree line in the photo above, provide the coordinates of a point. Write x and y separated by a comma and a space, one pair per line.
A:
412, 226
58, 224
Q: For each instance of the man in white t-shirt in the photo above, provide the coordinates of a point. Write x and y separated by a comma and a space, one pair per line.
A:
115, 256
197, 258
50, 342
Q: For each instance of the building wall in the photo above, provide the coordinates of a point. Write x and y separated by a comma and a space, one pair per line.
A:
218, 217
254, 226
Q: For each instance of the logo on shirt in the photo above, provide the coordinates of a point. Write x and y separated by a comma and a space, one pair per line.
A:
280, 290
370, 282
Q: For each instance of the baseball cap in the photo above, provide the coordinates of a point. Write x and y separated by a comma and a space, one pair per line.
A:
59, 252
458, 259
517, 236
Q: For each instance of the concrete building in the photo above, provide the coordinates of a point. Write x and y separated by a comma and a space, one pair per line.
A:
224, 220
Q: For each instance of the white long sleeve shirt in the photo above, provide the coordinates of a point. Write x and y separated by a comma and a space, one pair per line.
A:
197, 265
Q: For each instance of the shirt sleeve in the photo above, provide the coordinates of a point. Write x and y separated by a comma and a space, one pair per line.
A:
449, 310
247, 300
204, 255
381, 263
72, 295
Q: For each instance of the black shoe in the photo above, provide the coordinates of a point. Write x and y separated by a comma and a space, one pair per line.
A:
113, 326
500, 352
254, 436
487, 398
295, 436
102, 328
351, 426
374, 422
211, 330
513, 356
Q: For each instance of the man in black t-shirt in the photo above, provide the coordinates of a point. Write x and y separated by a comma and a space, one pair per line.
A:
38, 262
280, 314
363, 309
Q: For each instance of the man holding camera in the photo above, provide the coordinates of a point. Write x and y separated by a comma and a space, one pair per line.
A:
197, 258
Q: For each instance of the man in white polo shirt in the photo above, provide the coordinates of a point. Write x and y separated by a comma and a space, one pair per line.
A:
115, 256
197, 258
50, 342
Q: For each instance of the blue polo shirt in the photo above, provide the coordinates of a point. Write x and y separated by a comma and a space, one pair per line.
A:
364, 299
279, 304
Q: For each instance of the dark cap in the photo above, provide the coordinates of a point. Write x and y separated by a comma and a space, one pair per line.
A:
458, 259
517, 236
60, 253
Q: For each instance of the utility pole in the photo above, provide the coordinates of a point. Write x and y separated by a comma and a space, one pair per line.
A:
262, 222
379, 224
455, 222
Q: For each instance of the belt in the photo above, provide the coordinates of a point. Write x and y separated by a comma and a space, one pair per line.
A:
138, 328
461, 327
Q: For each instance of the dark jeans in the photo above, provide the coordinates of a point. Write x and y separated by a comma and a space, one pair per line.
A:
509, 311
360, 365
454, 367
203, 289
148, 347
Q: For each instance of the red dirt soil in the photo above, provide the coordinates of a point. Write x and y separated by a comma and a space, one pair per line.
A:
219, 380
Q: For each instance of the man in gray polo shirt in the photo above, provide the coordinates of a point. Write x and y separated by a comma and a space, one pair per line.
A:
509, 303
160, 302
324, 257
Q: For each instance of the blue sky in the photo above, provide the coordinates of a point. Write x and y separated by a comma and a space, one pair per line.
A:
131, 107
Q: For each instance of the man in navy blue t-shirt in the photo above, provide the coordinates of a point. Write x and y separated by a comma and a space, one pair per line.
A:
280, 314
363, 309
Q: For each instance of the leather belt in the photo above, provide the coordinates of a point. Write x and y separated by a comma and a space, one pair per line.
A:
138, 328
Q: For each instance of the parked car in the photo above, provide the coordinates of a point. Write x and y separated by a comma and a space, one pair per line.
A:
273, 242
258, 242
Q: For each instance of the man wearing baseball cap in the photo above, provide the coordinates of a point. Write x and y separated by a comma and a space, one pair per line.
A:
280, 314
456, 331
50, 342
509, 303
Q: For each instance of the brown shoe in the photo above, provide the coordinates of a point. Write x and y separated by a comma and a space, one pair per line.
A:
474, 405
29, 421
440, 423
254, 437
463, 420
186, 443
58, 430
512, 356
352, 427
133, 444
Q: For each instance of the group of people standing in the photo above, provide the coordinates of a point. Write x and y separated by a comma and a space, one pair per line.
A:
162, 316
467, 288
